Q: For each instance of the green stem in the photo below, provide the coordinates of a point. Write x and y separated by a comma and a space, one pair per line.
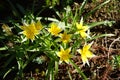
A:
79, 71
56, 67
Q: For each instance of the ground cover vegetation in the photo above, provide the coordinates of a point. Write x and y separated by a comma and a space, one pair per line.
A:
60, 40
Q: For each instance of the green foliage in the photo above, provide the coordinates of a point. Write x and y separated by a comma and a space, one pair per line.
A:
25, 50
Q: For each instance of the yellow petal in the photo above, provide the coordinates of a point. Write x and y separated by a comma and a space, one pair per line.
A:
84, 58
67, 61
83, 34
79, 26
33, 29
54, 30
29, 35
64, 54
84, 28
30, 31
68, 50
65, 37
23, 27
38, 25
86, 48
89, 54
58, 54
79, 50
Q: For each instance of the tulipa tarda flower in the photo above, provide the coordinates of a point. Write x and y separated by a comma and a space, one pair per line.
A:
64, 55
65, 37
82, 29
31, 30
54, 30
86, 53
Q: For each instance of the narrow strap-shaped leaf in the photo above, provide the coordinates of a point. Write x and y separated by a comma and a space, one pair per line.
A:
99, 36
82, 7
79, 71
98, 7
109, 23
8, 72
3, 48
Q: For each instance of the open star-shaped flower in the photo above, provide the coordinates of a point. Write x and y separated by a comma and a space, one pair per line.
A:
31, 30
64, 55
82, 29
65, 37
86, 53
54, 30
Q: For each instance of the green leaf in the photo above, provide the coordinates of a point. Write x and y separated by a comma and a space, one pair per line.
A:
8, 72
52, 19
56, 67
96, 8
99, 36
82, 7
50, 69
109, 23
79, 70
3, 48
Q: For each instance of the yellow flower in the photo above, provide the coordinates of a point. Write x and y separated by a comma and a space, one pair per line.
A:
38, 25
54, 30
65, 37
86, 53
30, 31
82, 29
64, 55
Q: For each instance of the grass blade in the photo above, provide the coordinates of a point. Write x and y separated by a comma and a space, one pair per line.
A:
98, 7
82, 7
79, 71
